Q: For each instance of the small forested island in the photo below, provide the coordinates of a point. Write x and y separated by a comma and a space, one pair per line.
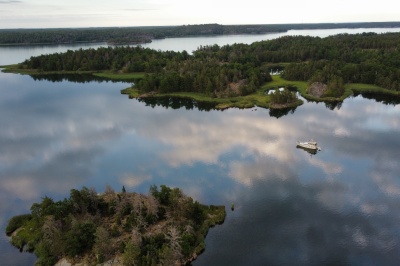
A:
164, 227
241, 75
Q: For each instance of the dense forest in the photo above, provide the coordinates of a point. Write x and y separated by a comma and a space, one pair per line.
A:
130, 35
240, 69
165, 227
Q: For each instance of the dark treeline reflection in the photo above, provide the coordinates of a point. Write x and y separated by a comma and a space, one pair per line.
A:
76, 78
332, 105
380, 97
189, 104
177, 103
281, 112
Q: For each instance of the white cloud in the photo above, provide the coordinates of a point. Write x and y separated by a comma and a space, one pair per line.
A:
132, 181
327, 167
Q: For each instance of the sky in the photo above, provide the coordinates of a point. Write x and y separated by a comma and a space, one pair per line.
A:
122, 13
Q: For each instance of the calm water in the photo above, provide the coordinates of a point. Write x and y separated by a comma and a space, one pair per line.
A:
340, 206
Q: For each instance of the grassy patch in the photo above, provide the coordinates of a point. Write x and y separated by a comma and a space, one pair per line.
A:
102, 74
249, 101
119, 76
278, 82
16, 70
25, 237
133, 93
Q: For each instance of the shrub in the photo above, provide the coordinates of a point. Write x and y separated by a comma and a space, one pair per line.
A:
16, 222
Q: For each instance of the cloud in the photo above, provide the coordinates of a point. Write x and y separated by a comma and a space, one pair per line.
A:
140, 9
248, 173
60, 172
328, 168
22, 187
283, 221
132, 181
207, 137
387, 183
10, 2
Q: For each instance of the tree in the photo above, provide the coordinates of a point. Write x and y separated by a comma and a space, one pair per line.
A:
44, 208
335, 87
80, 238
131, 254
102, 244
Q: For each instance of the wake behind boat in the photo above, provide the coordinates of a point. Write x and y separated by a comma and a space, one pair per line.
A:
311, 146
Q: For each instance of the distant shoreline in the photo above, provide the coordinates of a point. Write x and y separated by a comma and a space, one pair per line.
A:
146, 34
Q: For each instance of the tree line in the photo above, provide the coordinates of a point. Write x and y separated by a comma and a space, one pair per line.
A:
364, 58
240, 69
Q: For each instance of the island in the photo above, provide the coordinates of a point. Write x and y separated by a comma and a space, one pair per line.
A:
243, 75
125, 228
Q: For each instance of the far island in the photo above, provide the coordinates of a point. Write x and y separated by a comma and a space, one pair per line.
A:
164, 227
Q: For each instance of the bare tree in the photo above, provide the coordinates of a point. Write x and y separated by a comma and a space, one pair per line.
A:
137, 204
52, 234
136, 237
173, 237
109, 190
152, 205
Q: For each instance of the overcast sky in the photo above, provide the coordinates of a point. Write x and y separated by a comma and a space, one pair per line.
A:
100, 13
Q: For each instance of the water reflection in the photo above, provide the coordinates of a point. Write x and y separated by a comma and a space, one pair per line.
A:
332, 105
76, 78
283, 222
281, 112
177, 103
189, 104
380, 97
339, 206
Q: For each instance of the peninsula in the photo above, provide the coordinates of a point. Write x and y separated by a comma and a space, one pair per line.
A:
241, 75
164, 227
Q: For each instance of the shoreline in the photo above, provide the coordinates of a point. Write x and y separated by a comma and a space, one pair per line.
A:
256, 99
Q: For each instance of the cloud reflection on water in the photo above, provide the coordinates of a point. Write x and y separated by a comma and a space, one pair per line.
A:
282, 222
59, 136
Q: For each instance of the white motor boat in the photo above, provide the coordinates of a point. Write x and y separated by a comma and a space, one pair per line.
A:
311, 146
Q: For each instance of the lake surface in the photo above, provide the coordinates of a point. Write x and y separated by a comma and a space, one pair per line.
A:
340, 206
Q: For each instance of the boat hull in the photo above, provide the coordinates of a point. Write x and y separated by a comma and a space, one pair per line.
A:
310, 146
312, 151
